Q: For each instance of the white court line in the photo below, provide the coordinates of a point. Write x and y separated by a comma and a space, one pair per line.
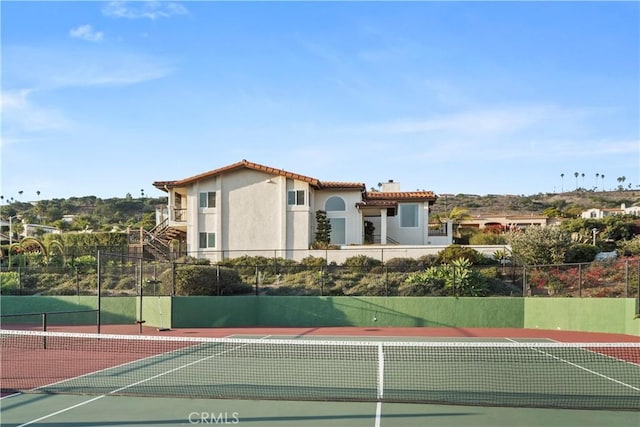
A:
575, 365
61, 411
10, 395
378, 413
130, 385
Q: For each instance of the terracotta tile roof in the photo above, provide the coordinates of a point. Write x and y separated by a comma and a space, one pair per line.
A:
369, 198
377, 203
258, 167
349, 185
401, 195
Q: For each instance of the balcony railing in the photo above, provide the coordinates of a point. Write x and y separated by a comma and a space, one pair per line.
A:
437, 229
179, 215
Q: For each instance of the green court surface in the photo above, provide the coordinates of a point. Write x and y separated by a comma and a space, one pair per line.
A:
195, 370
121, 411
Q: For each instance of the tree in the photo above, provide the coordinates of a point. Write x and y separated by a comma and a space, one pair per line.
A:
323, 230
576, 174
562, 177
539, 245
456, 215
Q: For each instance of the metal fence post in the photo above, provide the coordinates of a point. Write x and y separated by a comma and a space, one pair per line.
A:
386, 281
579, 280
257, 278
218, 279
626, 279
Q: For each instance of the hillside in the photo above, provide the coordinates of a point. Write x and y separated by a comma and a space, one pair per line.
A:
569, 202
105, 214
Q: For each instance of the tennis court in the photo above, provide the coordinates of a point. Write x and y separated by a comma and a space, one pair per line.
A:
311, 379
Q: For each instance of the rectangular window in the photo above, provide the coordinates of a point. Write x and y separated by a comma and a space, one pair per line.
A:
409, 216
338, 231
295, 197
207, 240
208, 199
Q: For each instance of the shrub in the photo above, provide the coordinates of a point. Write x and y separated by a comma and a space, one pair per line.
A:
456, 278
403, 264
313, 262
581, 252
454, 252
85, 263
9, 283
630, 247
361, 263
205, 280
487, 239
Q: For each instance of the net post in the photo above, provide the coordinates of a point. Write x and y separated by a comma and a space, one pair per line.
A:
380, 381
44, 329
140, 321
98, 292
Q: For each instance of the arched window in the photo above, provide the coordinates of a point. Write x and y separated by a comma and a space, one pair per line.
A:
335, 203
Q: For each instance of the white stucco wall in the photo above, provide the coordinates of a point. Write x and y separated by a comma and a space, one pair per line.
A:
353, 220
409, 235
252, 210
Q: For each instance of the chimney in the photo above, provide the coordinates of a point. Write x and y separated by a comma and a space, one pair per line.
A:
390, 187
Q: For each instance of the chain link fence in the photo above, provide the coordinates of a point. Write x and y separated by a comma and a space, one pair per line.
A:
122, 275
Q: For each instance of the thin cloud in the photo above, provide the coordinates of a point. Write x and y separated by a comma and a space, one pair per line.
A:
52, 68
20, 115
478, 122
86, 32
143, 10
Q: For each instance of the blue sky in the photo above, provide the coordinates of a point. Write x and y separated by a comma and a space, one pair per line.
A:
103, 98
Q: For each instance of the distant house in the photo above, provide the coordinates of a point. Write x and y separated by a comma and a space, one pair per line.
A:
39, 230
248, 208
507, 222
597, 213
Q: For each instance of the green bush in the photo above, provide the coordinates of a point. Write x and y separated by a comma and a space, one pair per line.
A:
487, 239
581, 252
85, 263
9, 283
630, 247
403, 264
457, 278
313, 262
361, 263
204, 280
455, 252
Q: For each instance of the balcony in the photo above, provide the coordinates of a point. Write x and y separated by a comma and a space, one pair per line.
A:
178, 215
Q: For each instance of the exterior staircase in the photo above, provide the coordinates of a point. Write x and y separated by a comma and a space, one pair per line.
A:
162, 242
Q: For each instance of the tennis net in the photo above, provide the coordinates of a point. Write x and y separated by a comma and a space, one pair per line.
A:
532, 374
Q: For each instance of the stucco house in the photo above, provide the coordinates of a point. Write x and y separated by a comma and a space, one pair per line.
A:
596, 213
250, 209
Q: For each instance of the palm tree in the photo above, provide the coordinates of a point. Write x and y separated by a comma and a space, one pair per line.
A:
597, 175
602, 177
621, 180
457, 215
583, 180
562, 176
576, 174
